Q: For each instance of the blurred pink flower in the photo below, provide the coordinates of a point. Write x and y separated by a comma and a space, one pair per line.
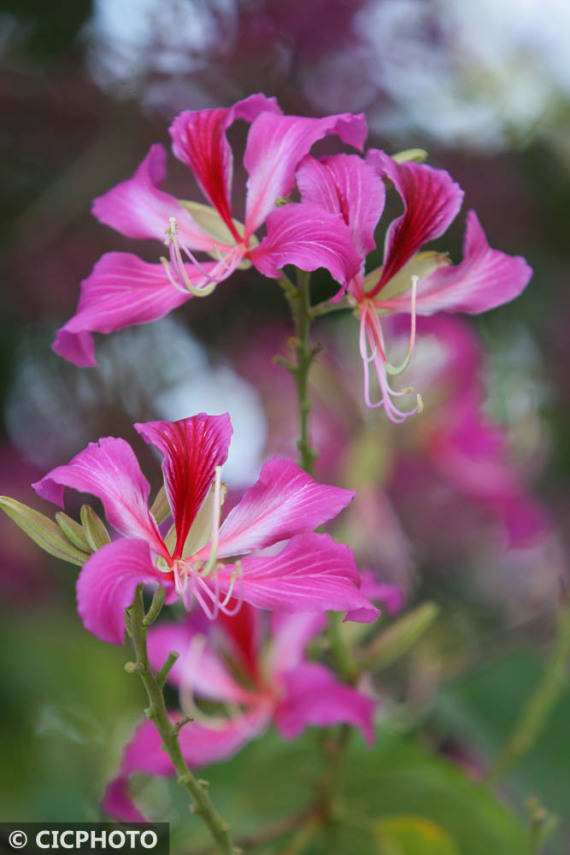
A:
199, 559
124, 290
280, 687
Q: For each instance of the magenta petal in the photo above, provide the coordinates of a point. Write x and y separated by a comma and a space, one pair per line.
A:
107, 582
308, 237
314, 697
431, 202
345, 184
389, 595
312, 573
484, 279
200, 745
290, 634
199, 140
122, 290
277, 144
138, 209
118, 803
192, 448
285, 501
78, 348
198, 669
109, 470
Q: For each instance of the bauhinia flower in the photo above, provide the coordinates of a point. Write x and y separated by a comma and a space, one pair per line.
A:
123, 289
277, 685
409, 281
199, 560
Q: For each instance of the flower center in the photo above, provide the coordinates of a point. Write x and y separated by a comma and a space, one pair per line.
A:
206, 276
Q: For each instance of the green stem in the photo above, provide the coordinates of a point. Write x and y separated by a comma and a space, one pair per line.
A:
534, 714
299, 299
201, 803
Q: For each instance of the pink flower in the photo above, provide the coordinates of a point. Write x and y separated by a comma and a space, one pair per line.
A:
464, 447
279, 686
409, 281
198, 559
124, 290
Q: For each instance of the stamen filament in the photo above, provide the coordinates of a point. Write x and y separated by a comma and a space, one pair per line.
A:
212, 558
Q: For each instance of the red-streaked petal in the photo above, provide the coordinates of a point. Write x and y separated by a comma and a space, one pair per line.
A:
243, 632
198, 669
109, 470
285, 501
199, 140
290, 634
107, 582
312, 573
277, 144
122, 290
486, 278
308, 237
138, 209
314, 697
192, 448
345, 184
431, 202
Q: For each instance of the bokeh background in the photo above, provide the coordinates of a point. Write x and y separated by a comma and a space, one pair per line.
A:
484, 88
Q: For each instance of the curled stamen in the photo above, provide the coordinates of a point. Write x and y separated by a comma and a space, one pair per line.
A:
397, 369
176, 271
237, 574
372, 352
182, 582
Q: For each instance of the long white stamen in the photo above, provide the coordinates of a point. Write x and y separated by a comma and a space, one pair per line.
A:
176, 270
397, 369
372, 349
212, 558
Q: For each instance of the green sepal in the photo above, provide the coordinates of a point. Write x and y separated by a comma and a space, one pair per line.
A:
415, 155
73, 531
95, 531
43, 531
398, 638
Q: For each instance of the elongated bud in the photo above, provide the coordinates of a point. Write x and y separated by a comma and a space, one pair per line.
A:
95, 532
399, 638
73, 531
160, 509
416, 155
43, 531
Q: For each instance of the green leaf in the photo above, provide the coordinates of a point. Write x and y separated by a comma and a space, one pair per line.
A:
42, 531
95, 531
412, 835
398, 638
480, 710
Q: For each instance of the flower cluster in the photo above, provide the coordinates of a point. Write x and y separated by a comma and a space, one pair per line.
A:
332, 226
268, 552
